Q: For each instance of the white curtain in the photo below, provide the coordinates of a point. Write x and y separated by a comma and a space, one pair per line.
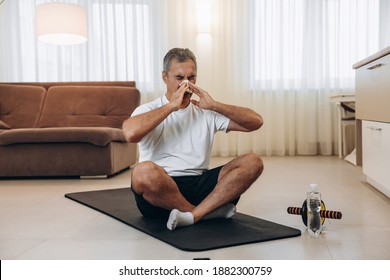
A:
282, 58
302, 52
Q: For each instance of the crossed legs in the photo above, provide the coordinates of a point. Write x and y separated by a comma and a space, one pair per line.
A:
153, 183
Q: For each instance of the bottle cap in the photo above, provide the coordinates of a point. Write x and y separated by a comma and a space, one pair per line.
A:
313, 187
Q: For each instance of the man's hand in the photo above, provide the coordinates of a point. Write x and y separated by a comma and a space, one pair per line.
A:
177, 97
241, 119
205, 100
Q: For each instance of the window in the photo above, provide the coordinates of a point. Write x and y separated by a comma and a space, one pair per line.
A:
315, 43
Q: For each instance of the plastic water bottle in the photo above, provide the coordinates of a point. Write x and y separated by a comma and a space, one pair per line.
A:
313, 203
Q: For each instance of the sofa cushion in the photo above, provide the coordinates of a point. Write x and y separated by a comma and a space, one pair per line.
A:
3, 125
88, 106
99, 136
20, 106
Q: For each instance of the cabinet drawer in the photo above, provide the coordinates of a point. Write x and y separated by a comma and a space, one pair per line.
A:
373, 90
376, 154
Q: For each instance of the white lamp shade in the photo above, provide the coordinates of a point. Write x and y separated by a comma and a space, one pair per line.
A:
61, 23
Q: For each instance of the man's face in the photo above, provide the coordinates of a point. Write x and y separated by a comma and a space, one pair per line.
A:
179, 72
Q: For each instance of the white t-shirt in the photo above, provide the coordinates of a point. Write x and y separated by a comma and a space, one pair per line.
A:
182, 143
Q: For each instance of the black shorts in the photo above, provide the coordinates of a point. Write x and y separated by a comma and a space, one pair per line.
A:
193, 188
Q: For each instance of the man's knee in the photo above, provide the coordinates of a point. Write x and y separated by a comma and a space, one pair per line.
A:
254, 163
144, 175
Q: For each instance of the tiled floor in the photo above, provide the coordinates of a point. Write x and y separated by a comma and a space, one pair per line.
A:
37, 222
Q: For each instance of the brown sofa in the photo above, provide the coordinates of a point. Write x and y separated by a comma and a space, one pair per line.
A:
65, 129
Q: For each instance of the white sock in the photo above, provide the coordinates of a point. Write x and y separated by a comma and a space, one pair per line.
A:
179, 219
226, 211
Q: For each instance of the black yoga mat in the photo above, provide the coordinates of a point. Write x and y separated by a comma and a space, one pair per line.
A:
205, 235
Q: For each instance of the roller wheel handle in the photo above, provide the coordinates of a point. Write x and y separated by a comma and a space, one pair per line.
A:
323, 213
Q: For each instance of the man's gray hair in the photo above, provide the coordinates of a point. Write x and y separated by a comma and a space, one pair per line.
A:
178, 54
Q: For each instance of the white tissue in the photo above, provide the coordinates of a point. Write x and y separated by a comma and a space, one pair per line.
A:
187, 90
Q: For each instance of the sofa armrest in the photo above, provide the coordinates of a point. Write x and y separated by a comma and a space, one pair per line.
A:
99, 136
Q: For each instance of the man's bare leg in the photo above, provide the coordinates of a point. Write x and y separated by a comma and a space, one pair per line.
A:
234, 179
157, 187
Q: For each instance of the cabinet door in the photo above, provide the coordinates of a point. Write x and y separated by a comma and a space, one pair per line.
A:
373, 90
376, 154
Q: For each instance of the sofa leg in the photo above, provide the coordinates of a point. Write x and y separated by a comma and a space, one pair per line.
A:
94, 177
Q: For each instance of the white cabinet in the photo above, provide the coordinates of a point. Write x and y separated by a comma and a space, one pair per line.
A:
376, 154
373, 90
373, 118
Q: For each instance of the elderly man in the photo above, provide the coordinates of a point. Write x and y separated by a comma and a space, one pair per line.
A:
175, 135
